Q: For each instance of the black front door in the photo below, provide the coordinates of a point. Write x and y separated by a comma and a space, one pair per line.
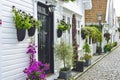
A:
45, 36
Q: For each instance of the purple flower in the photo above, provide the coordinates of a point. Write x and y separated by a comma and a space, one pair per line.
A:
33, 77
36, 67
42, 76
31, 49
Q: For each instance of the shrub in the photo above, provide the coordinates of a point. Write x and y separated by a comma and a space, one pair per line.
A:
92, 32
86, 48
107, 47
114, 44
64, 52
87, 56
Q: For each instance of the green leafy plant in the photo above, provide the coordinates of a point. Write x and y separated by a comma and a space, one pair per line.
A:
92, 32
36, 23
87, 56
96, 26
86, 48
18, 18
107, 47
24, 21
71, 78
63, 26
114, 44
82, 60
64, 52
27, 21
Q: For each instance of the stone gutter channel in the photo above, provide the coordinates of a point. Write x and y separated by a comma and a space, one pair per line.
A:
95, 60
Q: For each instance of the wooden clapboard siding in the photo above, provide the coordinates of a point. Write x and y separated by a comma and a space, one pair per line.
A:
13, 53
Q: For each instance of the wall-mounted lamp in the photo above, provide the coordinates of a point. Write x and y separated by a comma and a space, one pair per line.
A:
51, 7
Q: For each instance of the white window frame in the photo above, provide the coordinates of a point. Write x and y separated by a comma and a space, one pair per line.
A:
66, 37
78, 27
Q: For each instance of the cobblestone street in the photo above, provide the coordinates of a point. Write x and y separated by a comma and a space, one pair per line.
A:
107, 69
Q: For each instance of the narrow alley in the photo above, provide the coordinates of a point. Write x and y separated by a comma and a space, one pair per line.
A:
107, 69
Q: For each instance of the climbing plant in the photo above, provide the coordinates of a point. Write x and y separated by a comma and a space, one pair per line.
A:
75, 46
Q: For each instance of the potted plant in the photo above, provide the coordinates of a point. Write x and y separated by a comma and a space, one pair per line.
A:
19, 23
107, 47
36, 24
59, 33
99, 50
80, 65
119, 29
87, 55
64, 53
62, 27
114, 44
83, 33
107, 36
36, 69
24, 21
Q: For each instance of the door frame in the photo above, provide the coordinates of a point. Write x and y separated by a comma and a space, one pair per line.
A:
52, 30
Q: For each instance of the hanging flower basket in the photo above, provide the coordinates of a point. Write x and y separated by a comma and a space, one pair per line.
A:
59, 33
31, 31
21, 34
107, 36
24, 21
63, 26
83, 36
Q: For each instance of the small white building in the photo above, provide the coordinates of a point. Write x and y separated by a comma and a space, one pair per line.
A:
112, 23
13, 57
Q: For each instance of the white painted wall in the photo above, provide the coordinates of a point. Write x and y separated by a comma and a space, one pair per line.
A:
0, 36
67, 10
13, 57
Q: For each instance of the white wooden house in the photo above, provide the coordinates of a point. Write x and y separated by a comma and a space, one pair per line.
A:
13, 57
112, 23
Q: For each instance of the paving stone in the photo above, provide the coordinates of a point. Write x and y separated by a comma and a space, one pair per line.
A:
107, 69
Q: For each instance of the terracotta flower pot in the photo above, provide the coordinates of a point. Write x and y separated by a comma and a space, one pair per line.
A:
21, 34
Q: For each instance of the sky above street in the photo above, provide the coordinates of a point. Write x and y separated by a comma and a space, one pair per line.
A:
117, 7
